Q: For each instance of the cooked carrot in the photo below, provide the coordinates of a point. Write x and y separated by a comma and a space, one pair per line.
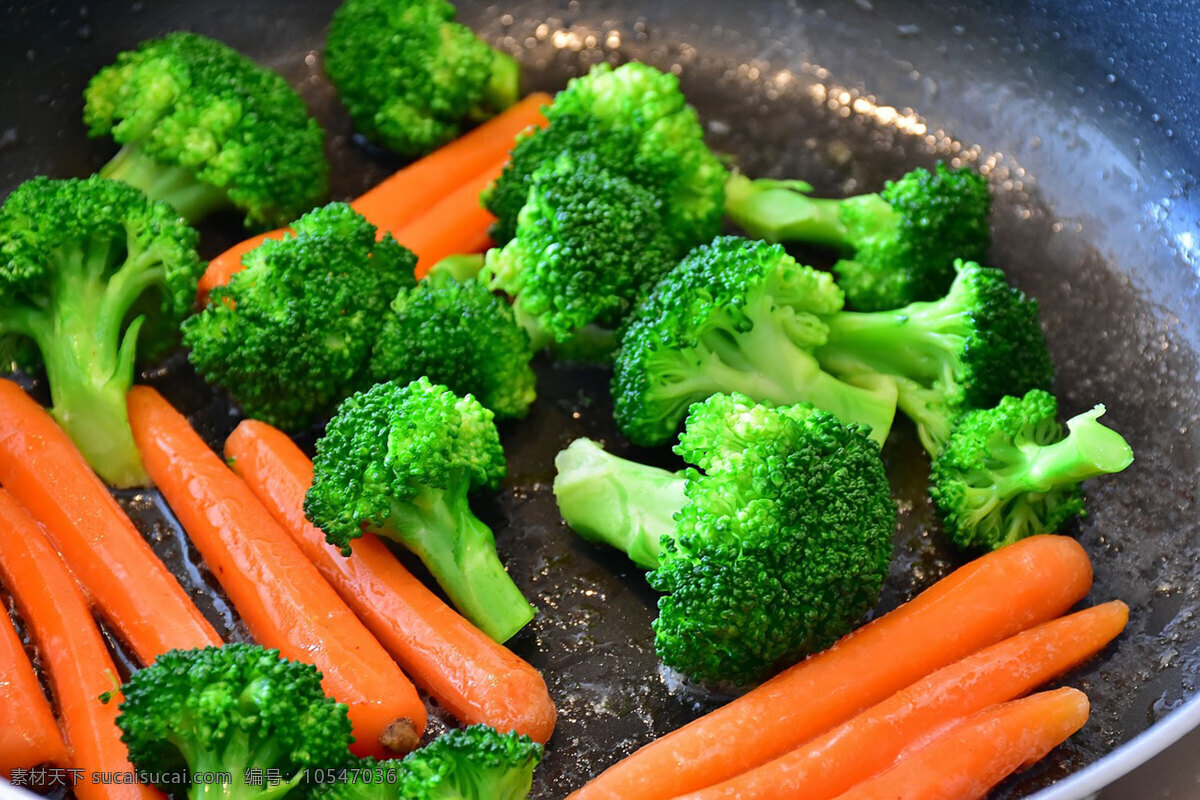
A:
279, 594
870, 742
69, 643
979, 604
475, 679
413, 190
133, 591
966, 761
28, 733
455, 224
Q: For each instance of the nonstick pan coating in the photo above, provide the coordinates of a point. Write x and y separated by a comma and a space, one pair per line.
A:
1083, 131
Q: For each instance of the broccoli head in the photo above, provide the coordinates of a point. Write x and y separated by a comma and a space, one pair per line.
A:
1008, 472
399, 460
735, 316
80, 261
979, 342
410, 76
202, 127
589, 243
771, 546
901, 243
637, 123
232, 709
291, 334
459, 334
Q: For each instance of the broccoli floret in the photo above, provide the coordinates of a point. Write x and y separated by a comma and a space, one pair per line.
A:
81, 262
1007, 472
398, 460
901, 242
639, 125
461, 335
290, 335
769, 547
735, 315
967, 350
410, 76
202, 127
589, 243
473, 763
231, 709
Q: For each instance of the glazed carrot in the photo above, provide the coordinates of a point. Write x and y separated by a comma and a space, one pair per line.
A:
966, 761
278, 593
133, 591
413, 190
867, 744
979, 604
456, 224
28, 733
475, 679
75, 655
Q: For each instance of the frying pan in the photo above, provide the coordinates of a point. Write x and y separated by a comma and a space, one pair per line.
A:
1083, 116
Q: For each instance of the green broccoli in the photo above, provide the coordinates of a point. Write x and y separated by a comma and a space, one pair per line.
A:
410, 76
901, 242
229, 710
203, 128
735, 315
398, 460
290, 335
1007, 472
589, 242
473, 763
770, 547
80, 260
639, 125
459, 334
979, 342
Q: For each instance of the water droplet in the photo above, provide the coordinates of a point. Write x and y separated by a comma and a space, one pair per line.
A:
908, 30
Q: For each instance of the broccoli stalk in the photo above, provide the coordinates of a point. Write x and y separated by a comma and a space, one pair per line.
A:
398, 460
175, 185
900, 243
76, 258
1007, 472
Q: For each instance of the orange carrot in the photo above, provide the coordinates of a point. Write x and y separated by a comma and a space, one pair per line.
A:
28, 733
965, 762
456, 224
76, 658
983, 602
470, 675
134, 592
869, 743
413, 190
279, 594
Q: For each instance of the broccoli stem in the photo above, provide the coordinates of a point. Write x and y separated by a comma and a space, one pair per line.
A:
171, 184
614, 501
1088, 450
459, 267
782, 211
918, 341
241, 753
503, 89
460, 552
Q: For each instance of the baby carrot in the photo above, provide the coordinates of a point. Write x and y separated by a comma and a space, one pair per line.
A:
279, 594
979, 604
455, 224
28, 733
75, 655
476, 679
965, 762
133, 591
869, 743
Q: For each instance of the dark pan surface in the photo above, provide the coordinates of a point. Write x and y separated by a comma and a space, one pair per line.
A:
1093, 217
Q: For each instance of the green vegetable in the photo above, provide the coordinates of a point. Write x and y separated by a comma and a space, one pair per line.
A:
1007, 472
83, 265
232, 709
203, 128
900, 243
410, 76
398, 460
771, 546
291, 335
735, 316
